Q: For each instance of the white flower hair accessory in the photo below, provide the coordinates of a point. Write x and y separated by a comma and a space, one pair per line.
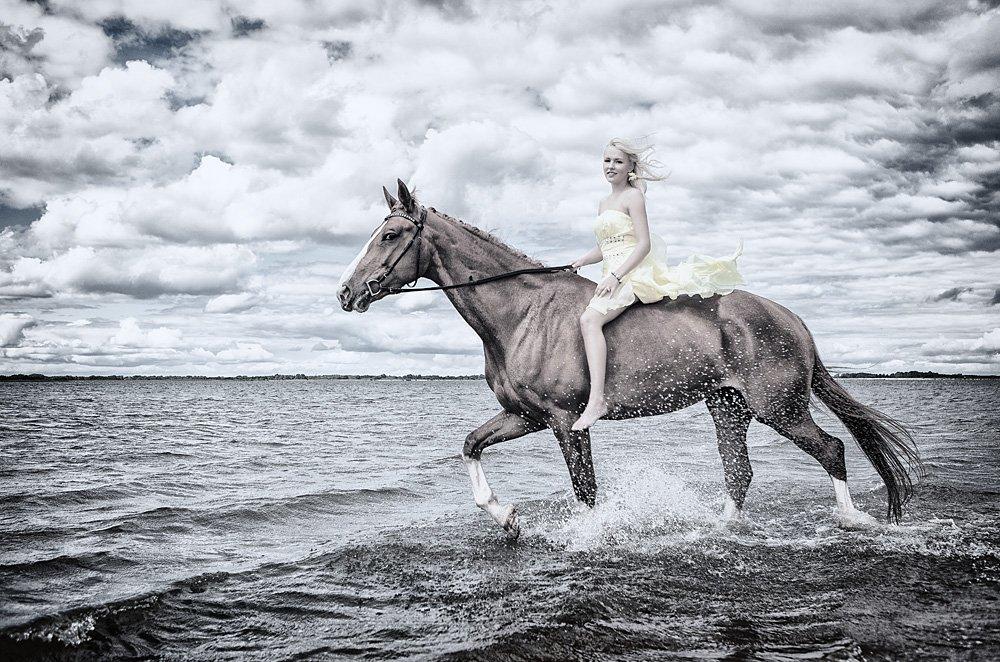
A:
632, 176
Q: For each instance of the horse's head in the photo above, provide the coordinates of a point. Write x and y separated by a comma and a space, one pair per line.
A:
392, 257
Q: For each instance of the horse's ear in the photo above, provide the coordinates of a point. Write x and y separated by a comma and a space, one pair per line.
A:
405, 197
389, 200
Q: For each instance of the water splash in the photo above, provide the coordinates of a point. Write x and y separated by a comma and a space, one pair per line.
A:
640, 505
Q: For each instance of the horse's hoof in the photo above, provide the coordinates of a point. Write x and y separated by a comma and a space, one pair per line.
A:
731, 514
511, 522
854, 519
728, 520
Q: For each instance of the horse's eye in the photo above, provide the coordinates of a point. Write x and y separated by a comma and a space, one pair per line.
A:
388, 236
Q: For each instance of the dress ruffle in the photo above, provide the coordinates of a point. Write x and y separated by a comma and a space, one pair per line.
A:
652, 279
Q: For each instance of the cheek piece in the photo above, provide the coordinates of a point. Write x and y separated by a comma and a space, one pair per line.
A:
374, 285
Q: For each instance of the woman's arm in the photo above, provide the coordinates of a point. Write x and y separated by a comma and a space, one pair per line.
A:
593, 256
636, 207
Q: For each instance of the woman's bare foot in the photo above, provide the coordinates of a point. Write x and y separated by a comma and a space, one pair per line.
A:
590, 416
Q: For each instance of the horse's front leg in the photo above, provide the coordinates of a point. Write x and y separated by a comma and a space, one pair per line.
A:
502, 427
575, 446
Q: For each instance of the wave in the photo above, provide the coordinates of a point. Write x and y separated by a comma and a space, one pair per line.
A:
57, 566
253, 511
86, 495
277, 509
99, 630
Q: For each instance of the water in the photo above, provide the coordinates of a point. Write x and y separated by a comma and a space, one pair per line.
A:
330, 519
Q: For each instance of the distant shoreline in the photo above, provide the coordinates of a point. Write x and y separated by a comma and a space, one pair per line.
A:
910, 374
246, 378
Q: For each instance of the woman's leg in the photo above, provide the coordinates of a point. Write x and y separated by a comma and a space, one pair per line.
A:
592, 326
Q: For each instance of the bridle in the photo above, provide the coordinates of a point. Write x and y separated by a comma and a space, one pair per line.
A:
416, 235
410, 287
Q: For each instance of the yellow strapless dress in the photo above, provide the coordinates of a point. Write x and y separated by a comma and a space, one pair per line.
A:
652, 279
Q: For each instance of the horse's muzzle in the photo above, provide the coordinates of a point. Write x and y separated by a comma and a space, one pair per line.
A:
359, 303
346, 297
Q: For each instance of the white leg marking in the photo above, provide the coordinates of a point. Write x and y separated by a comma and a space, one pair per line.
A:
846, 514
731, 512
487, 499
481, 491
844, 503
349, 271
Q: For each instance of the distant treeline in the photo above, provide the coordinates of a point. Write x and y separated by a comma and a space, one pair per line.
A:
911, 374
247, 378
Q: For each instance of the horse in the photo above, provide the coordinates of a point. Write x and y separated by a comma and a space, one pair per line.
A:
745, 356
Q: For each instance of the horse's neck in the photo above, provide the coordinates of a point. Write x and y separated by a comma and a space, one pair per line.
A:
460, 255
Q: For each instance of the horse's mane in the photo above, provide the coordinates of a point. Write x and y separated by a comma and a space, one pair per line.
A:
483, 234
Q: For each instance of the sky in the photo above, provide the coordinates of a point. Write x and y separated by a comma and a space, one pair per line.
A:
182, 183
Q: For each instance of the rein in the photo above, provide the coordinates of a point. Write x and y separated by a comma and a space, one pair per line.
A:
480, 281
416, 235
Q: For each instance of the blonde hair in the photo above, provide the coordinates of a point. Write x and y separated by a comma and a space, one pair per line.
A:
643, 168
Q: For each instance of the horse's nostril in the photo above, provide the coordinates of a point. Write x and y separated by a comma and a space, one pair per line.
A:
344, 294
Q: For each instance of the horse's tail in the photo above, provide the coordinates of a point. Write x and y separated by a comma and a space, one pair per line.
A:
887, 442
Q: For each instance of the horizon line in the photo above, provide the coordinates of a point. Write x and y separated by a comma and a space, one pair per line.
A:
292, 376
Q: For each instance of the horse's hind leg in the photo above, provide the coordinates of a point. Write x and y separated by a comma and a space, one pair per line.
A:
502, 427
829, 452
575, 446
732, 418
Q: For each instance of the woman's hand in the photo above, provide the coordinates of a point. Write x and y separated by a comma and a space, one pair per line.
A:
606, 286
590, 257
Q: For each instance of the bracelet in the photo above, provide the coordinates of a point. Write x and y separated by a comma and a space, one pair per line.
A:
616, 276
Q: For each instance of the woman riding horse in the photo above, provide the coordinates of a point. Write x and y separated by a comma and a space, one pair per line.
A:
635, 267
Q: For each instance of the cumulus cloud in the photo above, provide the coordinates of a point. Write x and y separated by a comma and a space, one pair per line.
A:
382, 333
951, 294
162, 162
243, 352
107, 131
961, 350
126, 344
145, 273
66, 48
12, 328
129, 344
232, 303
460, 166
